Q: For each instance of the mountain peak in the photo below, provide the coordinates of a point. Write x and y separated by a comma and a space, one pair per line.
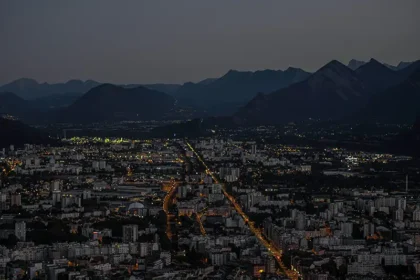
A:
335, 66
377, 76
74, 81
233, 74
232, 71
354, 64
104, 88
25, 82
372, 60
335, 62
207, 81
373, 65
293, 69
331, 92
108, 102
338, 78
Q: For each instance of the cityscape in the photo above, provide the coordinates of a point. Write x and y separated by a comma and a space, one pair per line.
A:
311, 172
207, 208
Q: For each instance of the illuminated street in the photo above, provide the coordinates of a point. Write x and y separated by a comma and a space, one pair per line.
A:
167, 203
274, 251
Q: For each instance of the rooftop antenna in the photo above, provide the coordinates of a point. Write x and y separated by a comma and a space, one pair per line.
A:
406, 183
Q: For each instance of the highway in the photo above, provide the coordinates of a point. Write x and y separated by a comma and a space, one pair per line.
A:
272, 249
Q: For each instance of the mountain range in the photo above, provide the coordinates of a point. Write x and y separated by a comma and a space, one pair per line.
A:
31, 89
378, 77
223, 96
330, 92
335, 92
114, 103
270, 96
212, 96
354, 64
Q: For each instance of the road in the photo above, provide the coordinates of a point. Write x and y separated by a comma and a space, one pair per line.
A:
167, 203
200, 223
272, 249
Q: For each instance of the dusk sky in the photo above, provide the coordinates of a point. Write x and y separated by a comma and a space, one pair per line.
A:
177, 41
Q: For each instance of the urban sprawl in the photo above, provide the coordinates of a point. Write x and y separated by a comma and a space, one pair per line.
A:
207, 208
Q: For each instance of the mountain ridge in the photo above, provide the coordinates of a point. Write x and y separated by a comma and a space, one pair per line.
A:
32, 89
115, 103
354, 64
235, 88
401, 65
377, 76
328, 92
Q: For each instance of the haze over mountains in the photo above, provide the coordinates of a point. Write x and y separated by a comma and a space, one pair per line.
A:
263, 97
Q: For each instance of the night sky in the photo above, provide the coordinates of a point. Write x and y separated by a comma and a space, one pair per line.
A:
177, 41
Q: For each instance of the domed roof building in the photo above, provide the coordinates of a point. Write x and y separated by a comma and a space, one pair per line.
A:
138, 209
135, 205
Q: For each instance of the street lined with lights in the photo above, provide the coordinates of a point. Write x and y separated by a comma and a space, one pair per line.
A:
167, 202
271, 248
